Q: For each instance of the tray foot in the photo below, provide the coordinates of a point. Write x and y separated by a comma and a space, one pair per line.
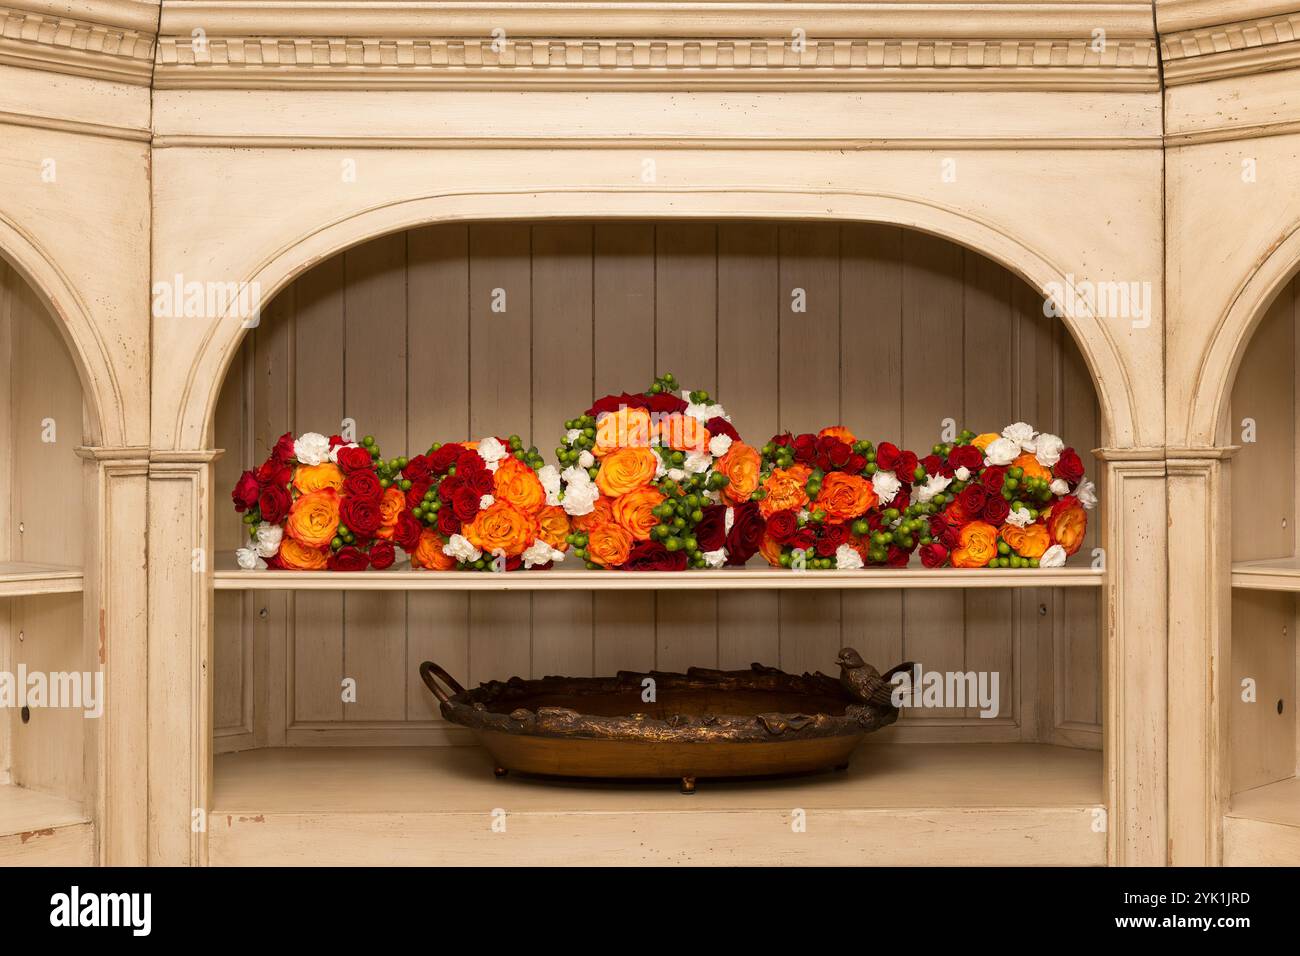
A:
500, 772
688, 785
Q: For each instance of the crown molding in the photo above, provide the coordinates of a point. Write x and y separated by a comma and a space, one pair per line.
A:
734, 45
105, 39
1216, 50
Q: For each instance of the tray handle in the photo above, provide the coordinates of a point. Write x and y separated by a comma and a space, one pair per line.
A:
428, 671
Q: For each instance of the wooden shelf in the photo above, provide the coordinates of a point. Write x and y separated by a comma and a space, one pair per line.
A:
752, 577
1269, 574
18, 579
39, 829
959, 804
1262, 826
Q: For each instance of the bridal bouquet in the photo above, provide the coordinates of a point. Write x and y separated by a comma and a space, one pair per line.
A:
659, 481
489, 505
1018, 499
319, 503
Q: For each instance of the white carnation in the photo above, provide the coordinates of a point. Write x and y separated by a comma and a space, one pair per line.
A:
886, 484
586, 459
703, 412
715, 559
719, 444
728, 519
249, 560
492, 450
1019, 517
1086, 493
572, 435
962, 473
311, 449
1001, 451
269, 537
934, 484
698, 462
539, 552
580, 492
713, 494
549, 476
1020, 433
1048, 449
459, 547
676, 474
1053, 557
1059, 486
847, 558
334, 452
486, 501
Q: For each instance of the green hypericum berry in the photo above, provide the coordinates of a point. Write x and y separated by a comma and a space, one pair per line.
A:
368, 441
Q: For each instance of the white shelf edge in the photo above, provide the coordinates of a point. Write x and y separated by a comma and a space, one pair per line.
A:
23, 579
1276, 574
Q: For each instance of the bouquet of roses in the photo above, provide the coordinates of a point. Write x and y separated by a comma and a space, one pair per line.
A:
833, 501
659, 481
488, 505
319, 503
1018, 499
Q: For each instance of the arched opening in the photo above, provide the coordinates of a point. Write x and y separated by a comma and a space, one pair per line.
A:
43, 548
900, 330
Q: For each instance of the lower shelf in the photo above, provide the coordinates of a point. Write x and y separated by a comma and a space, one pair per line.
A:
39, 829
960, 804
1262, 826
20, 579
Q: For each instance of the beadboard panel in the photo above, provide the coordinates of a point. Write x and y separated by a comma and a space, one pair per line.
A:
41, 425
1265, 745
898, 331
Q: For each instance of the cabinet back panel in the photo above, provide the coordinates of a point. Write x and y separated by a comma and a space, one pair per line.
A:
895, 332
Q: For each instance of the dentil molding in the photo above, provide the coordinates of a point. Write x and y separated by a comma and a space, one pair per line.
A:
105, 39
1215, 50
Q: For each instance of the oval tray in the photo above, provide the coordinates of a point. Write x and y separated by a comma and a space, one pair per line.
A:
704, 723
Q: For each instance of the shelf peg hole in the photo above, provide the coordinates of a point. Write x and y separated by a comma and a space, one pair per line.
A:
22, 528
22, 636
1280, 706
1042, 610
26, 714
263, 613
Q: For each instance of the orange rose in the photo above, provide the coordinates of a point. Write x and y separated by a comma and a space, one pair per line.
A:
683, 433
741, 464
1031, 466
314, 518
553, 527
625, 469
770, 549
844, 497
1028, 542
428, 553
297, 556
983, 441
609, 545
977, 545
1067, 524
838, 431
785, 489
502, 527
391, 506
602, 513
622, 428
309, 478
517, 484
635, 511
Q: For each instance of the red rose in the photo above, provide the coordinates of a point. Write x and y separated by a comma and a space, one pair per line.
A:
354, 459
934, 555
887, 455
445, 457
856, 463
363, 484
274, 472
905, 467
666, 403
720, 426
1069, 466
283, 450
710, 531
415, 494
966, 456
466, 504
246, 491
448, 523
407, 531
382, 555
482, 482
746, 533
348, 559
274, 502
612, 403
785, 439
782, 525
830, 539
896, 557
972, 499
448, 487
832, 452
996, 510
361, 515
419, 468
993, 478
805, 448
803, 539
653, 556
932, 464
468, 462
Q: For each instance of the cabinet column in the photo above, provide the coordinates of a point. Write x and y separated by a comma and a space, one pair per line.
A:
1135, 662
180, 654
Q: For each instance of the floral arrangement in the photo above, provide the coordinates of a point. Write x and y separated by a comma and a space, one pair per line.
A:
481, 506
659, 481
320, 503
1018, 499
833, 501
